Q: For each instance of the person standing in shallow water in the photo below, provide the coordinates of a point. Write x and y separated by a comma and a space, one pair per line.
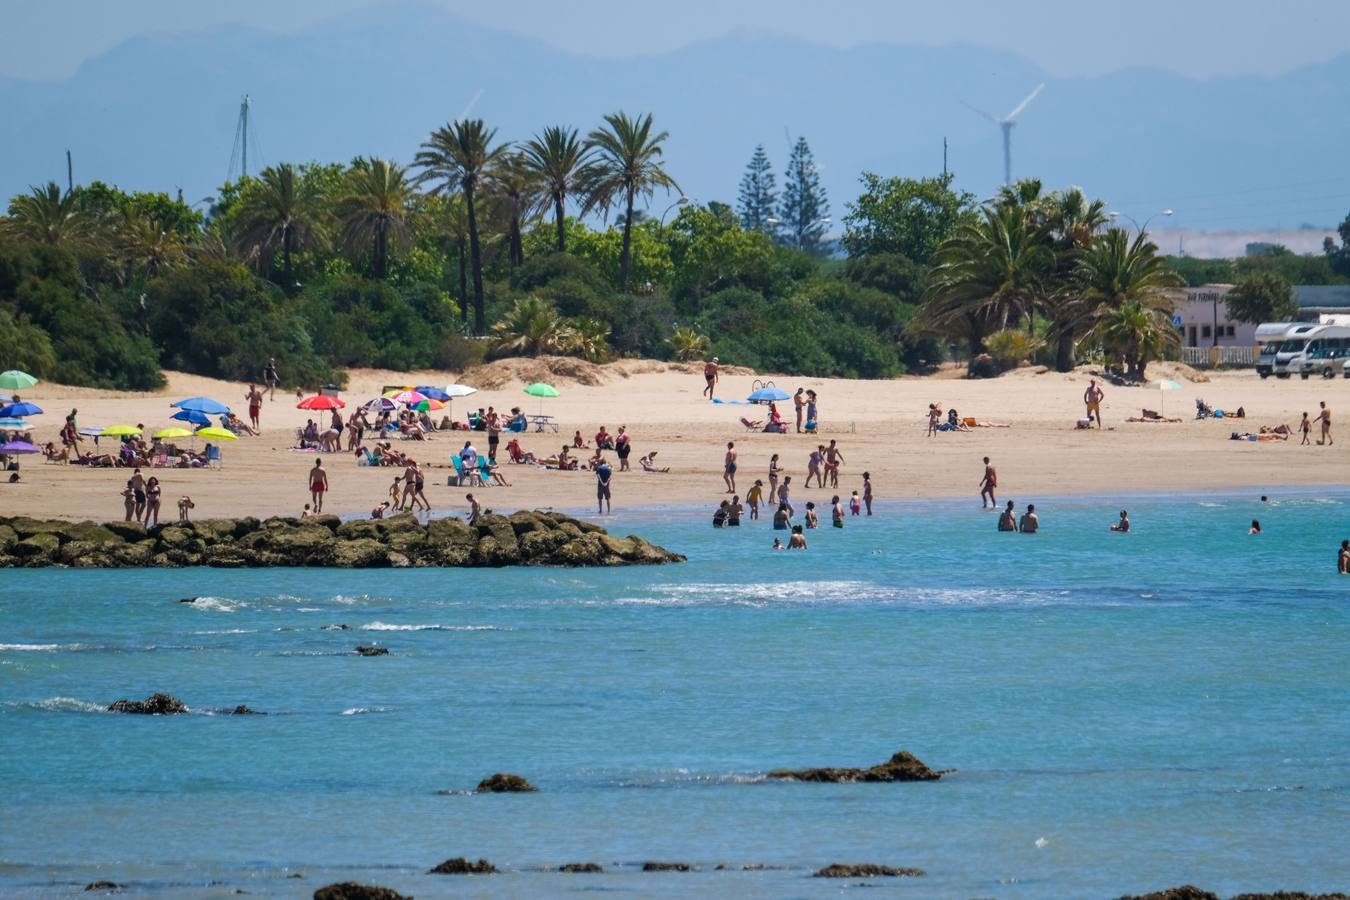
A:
729, 468
1124, 524
1343, 560
987, 485
1007, 520
867, 491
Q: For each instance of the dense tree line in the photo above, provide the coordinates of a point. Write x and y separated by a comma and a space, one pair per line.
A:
481, 247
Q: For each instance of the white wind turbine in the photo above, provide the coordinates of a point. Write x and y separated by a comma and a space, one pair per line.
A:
1006, 124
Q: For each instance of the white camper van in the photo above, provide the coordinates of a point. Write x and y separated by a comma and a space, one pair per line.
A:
1280, 342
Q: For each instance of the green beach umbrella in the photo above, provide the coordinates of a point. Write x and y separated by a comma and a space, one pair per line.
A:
14, 380
541, 390
120, 431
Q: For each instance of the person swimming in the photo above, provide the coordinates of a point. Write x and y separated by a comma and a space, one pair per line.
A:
777, 544
1256, 527
721, 514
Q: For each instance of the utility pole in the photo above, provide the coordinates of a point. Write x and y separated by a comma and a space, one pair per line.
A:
944, 156
70, 173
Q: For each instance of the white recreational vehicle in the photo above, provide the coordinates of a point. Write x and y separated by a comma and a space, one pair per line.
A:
1304, 348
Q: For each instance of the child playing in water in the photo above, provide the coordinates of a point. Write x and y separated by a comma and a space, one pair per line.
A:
777, 544
754, 497
855, 504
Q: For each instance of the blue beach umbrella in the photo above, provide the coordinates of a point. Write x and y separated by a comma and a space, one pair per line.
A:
768, 394
12, 422
196, 417
202, 404
433, 393
23, 408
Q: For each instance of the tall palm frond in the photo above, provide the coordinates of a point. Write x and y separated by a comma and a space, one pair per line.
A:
457, 159
518, 187
47, 215
372, 212
558, 158
279, 211
627, 164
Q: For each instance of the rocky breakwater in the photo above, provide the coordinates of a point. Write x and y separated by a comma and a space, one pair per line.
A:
523, 538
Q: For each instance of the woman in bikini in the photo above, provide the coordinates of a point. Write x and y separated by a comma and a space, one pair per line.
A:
152, 500
773, 478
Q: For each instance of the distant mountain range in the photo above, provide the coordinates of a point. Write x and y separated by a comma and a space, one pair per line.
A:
159, 112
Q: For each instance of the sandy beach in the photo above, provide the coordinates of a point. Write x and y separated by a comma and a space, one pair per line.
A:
879, 425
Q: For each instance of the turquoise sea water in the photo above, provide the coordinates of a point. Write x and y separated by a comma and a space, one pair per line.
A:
1126, 712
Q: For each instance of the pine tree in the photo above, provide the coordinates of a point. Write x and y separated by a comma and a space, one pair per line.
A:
757, 194
805, 211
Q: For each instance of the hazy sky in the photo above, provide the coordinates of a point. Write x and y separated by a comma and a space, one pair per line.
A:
46, 39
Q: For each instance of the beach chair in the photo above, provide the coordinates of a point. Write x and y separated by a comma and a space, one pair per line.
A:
213, 457
484, 471
457, 479
751, 426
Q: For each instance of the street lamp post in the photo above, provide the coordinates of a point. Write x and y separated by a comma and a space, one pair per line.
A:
680, 202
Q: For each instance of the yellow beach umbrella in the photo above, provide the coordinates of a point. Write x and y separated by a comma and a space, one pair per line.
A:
167, 433
217, 434
120, 431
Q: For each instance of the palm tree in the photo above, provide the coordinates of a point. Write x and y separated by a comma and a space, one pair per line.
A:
531, 327
45, 215
687, 344
373, 210
459, 157
143, 243
280, 211
1136, 334
1116, 274
516, 184
558, 159
991, 272
1074, 222
589, 339
627, 163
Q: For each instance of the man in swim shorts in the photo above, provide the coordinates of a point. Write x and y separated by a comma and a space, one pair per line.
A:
1007, 520
1092, 399
710, 376
318, 485
1030, 521
254, 398
987, 485
729, 468
1325, 418
603, 474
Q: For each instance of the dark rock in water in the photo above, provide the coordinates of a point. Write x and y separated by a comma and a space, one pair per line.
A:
461, 866
103, 886
351, 890
242, 710
373, 651
337, 628
301, 875
582, 867
154, 705
1185, 892
523, 538
504, 783
666, 867
903, 766
188, 599
866, 870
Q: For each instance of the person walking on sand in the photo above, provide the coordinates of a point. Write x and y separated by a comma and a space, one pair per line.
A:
318, 485
1007, 520
1325, 418
254, 399
710, 377
987, 485
1092, 399
799, 402
729, 468
867, 491
1030, 521
1304, 428
603, 475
